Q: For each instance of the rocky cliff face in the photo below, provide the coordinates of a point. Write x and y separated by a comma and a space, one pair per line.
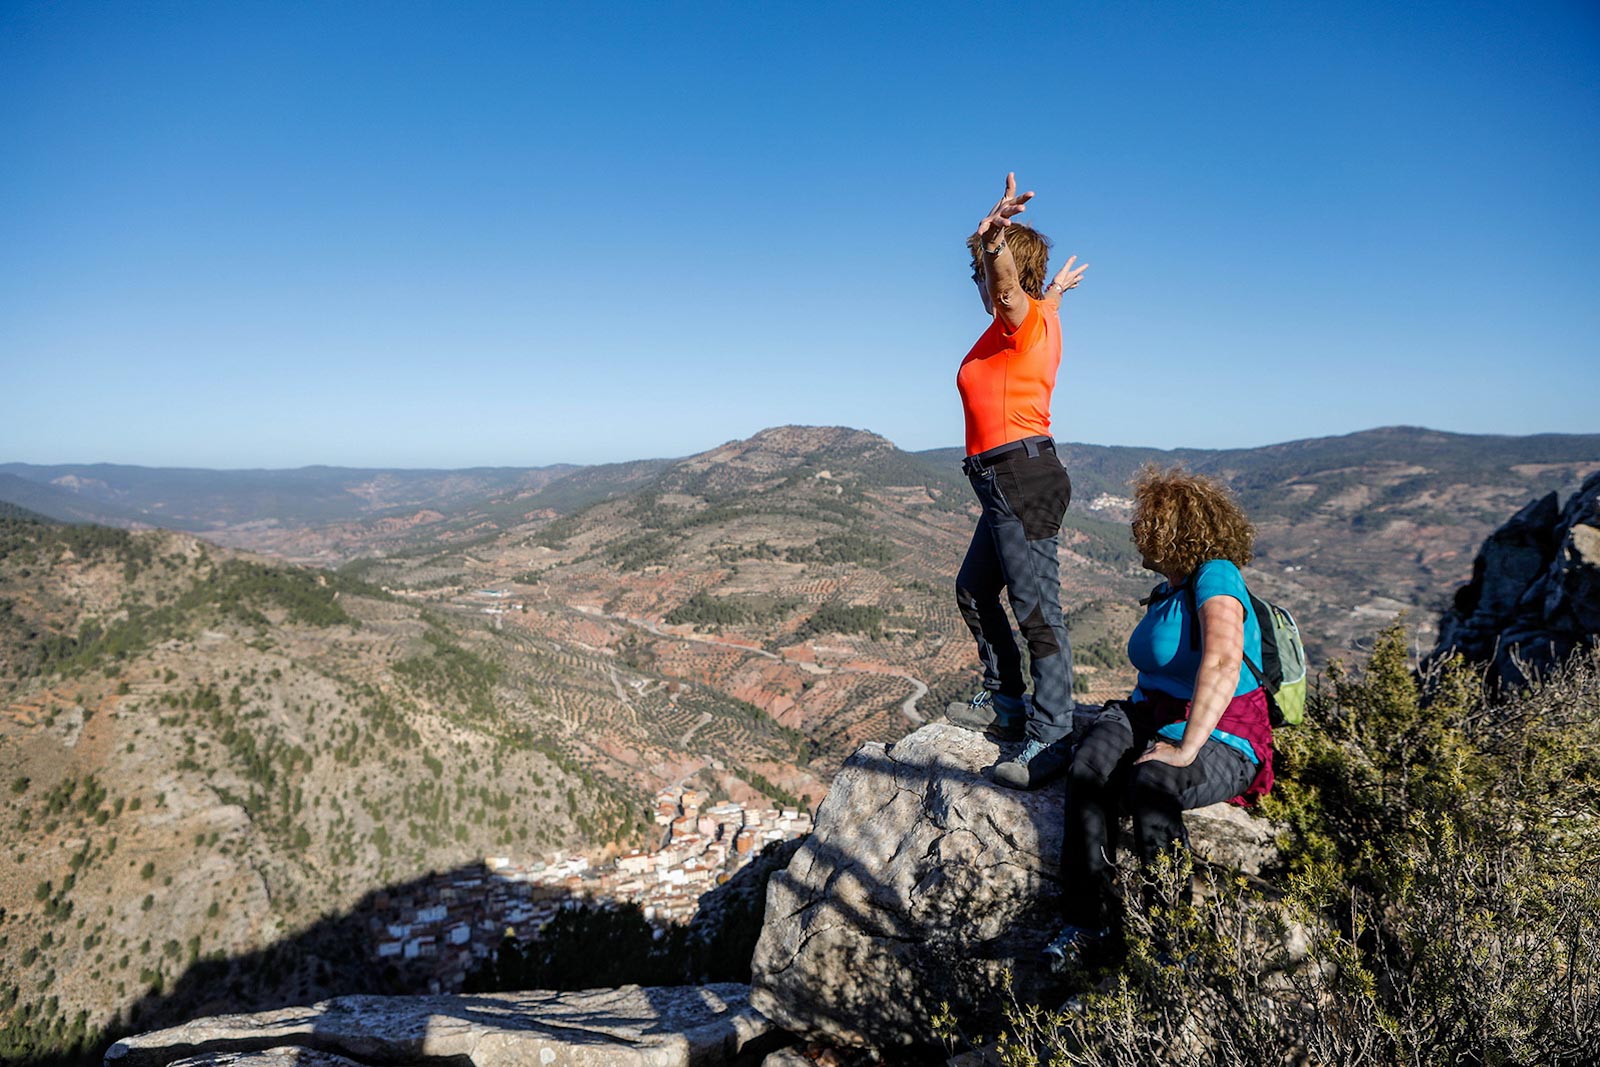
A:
922, 881
1535, 590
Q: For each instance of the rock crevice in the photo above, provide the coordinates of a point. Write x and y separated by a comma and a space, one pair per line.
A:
947, 884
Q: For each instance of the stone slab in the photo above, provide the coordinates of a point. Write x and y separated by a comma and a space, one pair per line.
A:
677, 1026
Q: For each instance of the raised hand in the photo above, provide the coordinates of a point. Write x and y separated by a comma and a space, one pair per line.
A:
1008, 205
1067, 277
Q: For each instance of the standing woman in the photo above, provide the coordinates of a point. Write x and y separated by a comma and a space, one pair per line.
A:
1006, 382
1196, 729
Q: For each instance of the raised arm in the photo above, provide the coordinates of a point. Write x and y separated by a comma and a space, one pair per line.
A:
1066, 278
1000, 276
1221, 655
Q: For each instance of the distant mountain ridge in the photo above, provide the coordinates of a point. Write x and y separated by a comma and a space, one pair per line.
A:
1352, 530
17, 512
1103, 468
1352, 527
197, 499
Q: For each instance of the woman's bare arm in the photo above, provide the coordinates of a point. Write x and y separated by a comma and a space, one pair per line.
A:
1006, 294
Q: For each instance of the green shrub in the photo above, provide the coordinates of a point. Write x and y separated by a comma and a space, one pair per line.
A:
452, 676
837, 618
843, 548
1439, 873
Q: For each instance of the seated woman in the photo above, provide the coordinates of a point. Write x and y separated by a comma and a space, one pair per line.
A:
1196, 729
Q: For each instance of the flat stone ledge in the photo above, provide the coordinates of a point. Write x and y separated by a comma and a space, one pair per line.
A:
633, 1026
292, 1056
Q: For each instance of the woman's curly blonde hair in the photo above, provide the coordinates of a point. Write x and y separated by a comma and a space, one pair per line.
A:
1180, 520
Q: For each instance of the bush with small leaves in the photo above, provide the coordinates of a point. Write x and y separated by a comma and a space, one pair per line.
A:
1438, 894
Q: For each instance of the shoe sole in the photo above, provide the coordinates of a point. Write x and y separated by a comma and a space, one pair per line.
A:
1020, 775
1015, 779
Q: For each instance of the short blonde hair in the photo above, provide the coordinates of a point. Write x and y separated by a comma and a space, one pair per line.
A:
1031, 251
1180, 520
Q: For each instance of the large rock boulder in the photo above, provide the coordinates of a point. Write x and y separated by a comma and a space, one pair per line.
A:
921, 881
1535, 590
679, 1026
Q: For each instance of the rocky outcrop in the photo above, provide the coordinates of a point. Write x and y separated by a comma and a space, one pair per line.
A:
920, 883
742, 895
293, 1056
1535, 590
680, 1026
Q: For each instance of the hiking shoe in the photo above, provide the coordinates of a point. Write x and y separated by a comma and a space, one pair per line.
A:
994, 714
1070, 944
1037, 764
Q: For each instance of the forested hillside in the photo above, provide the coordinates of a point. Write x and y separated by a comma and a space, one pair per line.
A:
203, 753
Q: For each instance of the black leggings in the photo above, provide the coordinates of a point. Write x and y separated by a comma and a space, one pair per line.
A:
1104, 780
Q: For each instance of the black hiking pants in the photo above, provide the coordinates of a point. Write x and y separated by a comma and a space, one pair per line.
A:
1104, 782
1024, 494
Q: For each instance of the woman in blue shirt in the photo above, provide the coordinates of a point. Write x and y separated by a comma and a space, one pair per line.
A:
1195, 730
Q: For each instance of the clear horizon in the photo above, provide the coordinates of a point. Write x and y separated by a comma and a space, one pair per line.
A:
685, 455
250, 237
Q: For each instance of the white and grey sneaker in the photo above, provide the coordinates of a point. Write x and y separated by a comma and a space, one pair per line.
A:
1036, 765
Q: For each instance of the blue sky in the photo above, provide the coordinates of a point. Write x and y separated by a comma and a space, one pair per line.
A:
241, 234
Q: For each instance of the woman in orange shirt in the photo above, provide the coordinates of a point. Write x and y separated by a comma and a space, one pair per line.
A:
1006, 382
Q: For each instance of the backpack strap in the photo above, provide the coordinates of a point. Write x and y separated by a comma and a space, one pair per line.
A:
1194, 611
1194, 627
1267, 621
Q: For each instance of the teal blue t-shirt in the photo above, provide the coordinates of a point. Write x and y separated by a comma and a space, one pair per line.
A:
1160, 646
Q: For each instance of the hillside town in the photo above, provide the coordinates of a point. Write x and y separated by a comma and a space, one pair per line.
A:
446, 924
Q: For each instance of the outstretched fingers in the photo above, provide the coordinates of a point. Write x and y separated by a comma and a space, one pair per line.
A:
1069, 276
1008, 205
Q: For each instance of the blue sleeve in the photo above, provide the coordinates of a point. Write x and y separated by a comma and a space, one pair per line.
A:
1220, 577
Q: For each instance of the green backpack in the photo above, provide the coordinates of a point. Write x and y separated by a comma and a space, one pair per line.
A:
1282, 670
1283, 663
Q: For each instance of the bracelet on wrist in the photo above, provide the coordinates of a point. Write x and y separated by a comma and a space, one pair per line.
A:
997, 249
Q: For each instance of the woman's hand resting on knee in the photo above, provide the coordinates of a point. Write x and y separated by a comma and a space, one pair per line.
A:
1170, 754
